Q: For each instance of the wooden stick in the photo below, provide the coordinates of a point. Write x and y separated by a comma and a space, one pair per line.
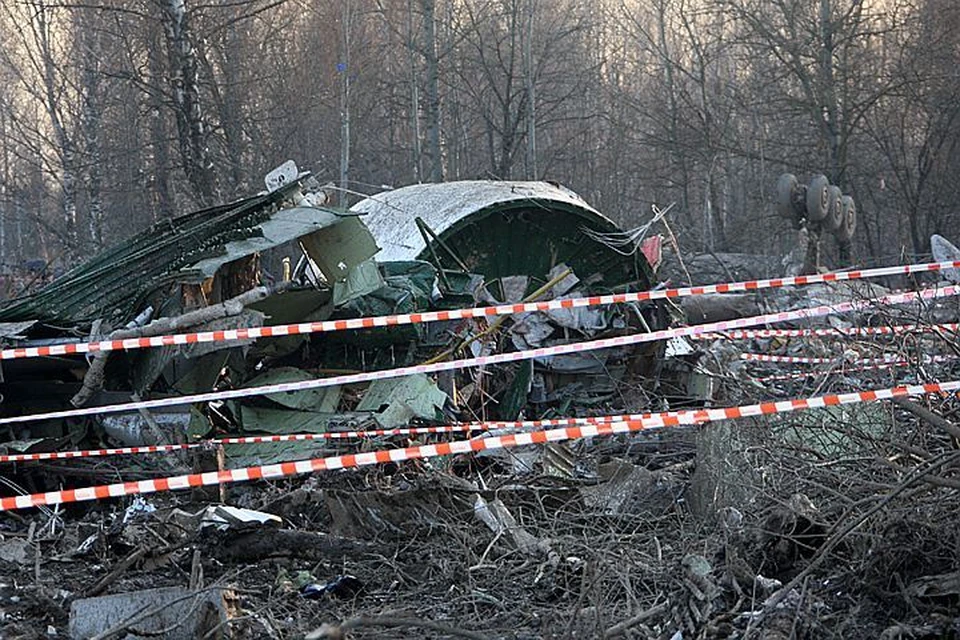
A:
94, 378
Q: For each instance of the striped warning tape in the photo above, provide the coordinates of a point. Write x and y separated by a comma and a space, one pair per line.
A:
748, 334
333, 435
459, 314
288, 469
763, 357
499, 358
290, 437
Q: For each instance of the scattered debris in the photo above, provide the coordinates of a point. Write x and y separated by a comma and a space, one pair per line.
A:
345, 587
829, 523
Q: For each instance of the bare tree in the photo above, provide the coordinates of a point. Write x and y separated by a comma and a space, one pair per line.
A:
916, 130
91, 89
40, 63
192, 128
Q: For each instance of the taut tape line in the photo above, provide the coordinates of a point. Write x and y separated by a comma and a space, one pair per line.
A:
288, 469
764, 357
460, 314
330, 435
289, 437
898, 329
499, 358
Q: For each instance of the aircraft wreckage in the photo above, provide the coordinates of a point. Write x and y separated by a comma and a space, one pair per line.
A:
286, 256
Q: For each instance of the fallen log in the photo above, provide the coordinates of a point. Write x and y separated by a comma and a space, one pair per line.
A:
94, 377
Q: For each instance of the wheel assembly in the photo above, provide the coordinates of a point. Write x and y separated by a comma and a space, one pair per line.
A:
835, 213
787, 188
845, 231
818, 198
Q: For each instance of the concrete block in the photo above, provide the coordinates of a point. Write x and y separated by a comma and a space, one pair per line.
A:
174, 613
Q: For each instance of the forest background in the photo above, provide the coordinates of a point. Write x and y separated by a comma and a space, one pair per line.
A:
117, 114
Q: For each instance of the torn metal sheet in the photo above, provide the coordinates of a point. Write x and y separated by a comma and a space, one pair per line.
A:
678, 347
396, 401
300, 305
576, 362
132, 430
283, 226
113, 284
322, 399
337, 250
283, 421
514, 288
408, 287
587, 320
361, 280
17, 550
530, 330
198, 375
944, 251
500, 521
558, 460
33, 445
222, 517
565, 285
238, 456
14, 329
628, 488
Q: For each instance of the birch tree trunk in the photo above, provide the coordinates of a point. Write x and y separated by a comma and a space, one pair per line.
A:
435, 173
159, 163
529, 80
91, 124
65, 150
226, 90
192, 131
346, 20
414, 98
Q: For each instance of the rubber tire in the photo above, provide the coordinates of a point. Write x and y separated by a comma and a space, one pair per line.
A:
834, 218
787, 186
849, 226
818, 198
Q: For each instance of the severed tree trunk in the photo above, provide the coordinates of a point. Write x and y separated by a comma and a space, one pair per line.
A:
192, 129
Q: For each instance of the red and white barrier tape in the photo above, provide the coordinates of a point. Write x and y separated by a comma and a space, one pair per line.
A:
747, 334
499, 358
287, 469
459, 314
333, 435
763, 357
291, 437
